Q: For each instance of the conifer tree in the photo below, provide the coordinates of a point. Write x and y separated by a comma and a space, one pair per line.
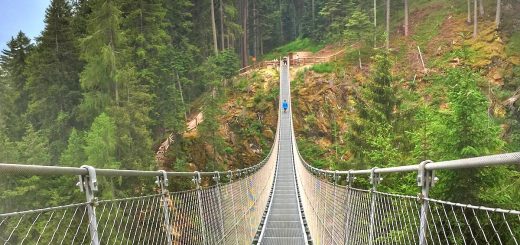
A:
100, 47
74, 155
372, 130
53, 81
13, 63
100, 143
469, 133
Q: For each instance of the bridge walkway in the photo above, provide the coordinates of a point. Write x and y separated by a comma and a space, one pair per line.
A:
284, 222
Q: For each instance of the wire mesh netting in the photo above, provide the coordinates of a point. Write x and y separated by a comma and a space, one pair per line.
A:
223, 213
344, 215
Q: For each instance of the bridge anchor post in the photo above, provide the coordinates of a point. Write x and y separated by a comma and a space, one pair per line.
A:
162, 182
425, 179
88, 184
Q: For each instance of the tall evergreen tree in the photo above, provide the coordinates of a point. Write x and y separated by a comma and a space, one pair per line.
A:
372, 130
467, 131
74, 155
53, 81
13, 63
100, 47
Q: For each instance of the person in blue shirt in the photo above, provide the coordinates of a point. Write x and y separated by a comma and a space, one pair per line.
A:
285, 105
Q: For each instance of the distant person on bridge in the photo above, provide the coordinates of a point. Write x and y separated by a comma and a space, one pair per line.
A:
285, 106
285, 61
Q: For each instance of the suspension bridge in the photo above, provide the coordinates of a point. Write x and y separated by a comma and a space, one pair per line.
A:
281, 200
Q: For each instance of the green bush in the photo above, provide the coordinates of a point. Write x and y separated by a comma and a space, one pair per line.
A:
513, 46
300, 44
323, 68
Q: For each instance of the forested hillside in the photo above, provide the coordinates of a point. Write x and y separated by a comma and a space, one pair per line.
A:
442, 86
107, 81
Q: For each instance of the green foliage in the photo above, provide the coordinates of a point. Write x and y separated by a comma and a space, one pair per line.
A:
13, 63
462, 130
74, 155
227, 63
300, 44
372, 131
312, 153
513, 46
323, 68
357, 26
54, 87
426, 30
100, 143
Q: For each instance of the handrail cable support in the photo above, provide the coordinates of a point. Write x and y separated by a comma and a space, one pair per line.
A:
336, 179
197, 179
88, 184
425, 179
350, 178
375, 179
347, 221
162, 182
216, 178
230, 176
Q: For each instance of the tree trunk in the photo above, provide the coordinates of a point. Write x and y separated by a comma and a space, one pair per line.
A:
497, 16
469, 11
222, 25
255, 31
405, 18
388, 24
182, 96
281, 21
375, 22
313, 18
481, 7
214, 27
475, 19
375, 13
261, 42
244, 34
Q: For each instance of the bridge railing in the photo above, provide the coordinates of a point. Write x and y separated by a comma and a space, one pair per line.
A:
342, 214
213, 212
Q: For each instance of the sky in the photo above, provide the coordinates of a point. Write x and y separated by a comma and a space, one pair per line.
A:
24, 15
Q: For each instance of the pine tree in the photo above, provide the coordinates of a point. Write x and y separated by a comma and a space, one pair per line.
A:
74, 155
372, 130
13, 63
150, 51
357, 26
464, 130
99, 79
53, 81
100, 143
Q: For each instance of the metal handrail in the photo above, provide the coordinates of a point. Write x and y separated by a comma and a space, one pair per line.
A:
22, 169
475, 162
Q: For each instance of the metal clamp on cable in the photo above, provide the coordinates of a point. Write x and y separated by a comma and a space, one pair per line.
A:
375, 178
336, 177
163, 177
88, 182
162, 181
425, 177
197, 179
230, 175
350, 178
216, 177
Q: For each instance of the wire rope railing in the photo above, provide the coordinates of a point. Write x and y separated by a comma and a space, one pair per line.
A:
214, 212
342, 214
